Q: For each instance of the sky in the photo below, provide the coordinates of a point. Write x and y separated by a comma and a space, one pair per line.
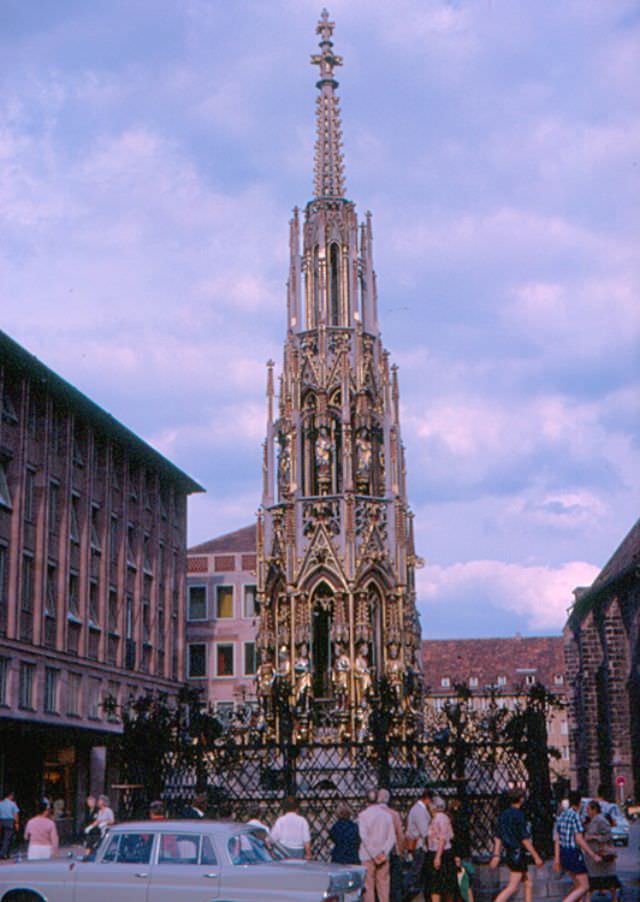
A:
150, 156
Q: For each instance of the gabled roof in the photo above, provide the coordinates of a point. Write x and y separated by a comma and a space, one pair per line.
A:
15, 355
231, 542
623, 563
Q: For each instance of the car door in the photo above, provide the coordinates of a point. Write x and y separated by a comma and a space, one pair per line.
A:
186, 867
123, 870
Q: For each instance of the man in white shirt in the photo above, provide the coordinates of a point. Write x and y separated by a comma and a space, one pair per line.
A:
395, 858
291, 830
417, 830
377, 840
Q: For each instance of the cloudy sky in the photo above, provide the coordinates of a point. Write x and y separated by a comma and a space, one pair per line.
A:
150, 154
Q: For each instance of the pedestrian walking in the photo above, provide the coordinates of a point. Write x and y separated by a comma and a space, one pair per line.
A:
514, 839
291, 830
599, 838
571, 848
377, 839
345, 837
42, 834
416, 844
9, 822
397, 853
105, 817
444, 877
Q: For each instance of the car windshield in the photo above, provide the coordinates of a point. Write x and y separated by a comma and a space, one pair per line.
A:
245, 848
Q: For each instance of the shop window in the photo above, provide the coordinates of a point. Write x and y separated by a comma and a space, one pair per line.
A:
224, 602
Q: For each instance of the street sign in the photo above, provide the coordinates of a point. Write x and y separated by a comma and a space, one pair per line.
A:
621, 780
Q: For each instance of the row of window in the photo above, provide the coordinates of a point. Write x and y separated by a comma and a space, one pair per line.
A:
224, 607
224, 663
530, 679
96, 526
58, 691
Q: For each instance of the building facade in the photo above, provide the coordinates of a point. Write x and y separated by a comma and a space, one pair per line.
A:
335, 540
222, 623
602, 649
92, 580
501, 670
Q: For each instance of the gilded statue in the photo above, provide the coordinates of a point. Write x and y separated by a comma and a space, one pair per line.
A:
302, 678
362, 676
324, 448
265, 678
284, 664
341, 671
395, 671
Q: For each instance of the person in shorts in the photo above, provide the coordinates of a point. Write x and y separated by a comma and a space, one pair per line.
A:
514, 840
571, 848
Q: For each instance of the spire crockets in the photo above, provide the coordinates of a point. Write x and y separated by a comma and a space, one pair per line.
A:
329, 165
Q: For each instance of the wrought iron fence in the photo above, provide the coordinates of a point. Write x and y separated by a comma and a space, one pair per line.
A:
253, 779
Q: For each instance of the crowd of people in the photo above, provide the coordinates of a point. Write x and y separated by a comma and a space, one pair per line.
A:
425, 856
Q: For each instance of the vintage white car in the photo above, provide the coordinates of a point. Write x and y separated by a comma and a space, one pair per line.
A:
167, 861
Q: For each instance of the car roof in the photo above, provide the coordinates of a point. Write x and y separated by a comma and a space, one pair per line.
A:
183, 826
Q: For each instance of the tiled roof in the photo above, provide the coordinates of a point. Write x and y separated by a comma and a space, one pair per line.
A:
488, 659
624, 560
231, 542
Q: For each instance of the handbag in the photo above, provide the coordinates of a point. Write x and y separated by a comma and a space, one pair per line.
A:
410, 843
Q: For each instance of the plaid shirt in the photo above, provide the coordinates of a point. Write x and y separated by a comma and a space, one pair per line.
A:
567, 825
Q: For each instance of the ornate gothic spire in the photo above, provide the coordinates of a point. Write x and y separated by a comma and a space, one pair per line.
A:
329, 165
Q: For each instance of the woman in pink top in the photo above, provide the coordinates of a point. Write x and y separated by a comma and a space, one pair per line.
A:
444, 879
42, 834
